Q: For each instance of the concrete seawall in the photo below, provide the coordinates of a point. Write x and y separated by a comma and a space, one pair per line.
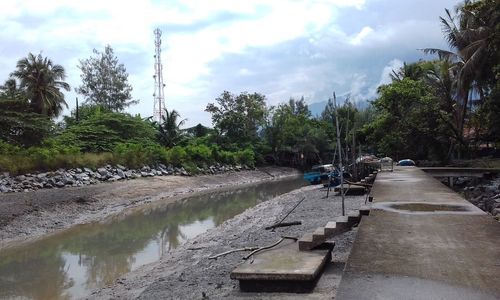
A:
422, 241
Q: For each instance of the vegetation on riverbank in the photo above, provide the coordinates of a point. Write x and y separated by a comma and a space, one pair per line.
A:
439, 109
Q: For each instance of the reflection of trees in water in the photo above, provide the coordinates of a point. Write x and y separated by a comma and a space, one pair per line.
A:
107, 250
33, 275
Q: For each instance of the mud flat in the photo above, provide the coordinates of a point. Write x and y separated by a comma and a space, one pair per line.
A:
187, 273
27, 216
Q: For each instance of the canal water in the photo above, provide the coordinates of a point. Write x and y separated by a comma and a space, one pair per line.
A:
72, 263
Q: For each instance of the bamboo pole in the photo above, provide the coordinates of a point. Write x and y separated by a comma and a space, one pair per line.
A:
340, 154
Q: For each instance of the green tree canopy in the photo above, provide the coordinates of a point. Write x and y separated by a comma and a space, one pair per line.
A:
19, 125
238, 118
41, 81
105, 81
408, 123
103, 130
169, 133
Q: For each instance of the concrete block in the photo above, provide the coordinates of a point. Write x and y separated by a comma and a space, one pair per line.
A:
342, 223
364, 210
282, 269
319, 234
306, 242
353, 218
330, 229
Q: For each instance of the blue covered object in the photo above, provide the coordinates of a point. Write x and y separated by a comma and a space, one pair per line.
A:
406, 162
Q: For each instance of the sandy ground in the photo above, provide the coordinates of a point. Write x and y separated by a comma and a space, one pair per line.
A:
187, 273
31, 215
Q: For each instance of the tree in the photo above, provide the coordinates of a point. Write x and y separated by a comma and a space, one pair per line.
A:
238, 118
103, 130
473, 34
42, 81
105, 81
19, 125
408, 121
169, 133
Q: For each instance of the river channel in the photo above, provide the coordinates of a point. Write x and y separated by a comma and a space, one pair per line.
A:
72, 263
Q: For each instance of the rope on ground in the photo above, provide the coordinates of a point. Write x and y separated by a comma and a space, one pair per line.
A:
232, 251
270, 246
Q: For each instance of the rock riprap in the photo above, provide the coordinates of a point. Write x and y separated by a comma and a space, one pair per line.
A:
86, 176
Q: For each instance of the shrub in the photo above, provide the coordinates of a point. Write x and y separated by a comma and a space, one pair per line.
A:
246, 157
136, 155
176, 156
199, 154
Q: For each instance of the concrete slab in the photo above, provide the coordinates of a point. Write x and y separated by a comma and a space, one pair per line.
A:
433, 245
283, 268
410, 184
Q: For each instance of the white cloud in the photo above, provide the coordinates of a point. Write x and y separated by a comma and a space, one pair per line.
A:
199, 36
359, 37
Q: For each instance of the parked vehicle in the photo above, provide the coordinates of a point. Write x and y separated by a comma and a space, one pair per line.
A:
406, 162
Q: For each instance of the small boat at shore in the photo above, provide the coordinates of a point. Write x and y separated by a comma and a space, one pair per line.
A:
318, 173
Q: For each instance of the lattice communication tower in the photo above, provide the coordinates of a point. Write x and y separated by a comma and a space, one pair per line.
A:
159, 94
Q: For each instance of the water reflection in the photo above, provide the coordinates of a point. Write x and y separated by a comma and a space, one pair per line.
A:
86, 257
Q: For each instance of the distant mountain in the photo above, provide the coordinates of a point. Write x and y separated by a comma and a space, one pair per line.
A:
317, 108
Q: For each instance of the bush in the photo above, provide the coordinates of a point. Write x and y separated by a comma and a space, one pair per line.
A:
246, 157
176, 156
199, 154
136, 155
49, 158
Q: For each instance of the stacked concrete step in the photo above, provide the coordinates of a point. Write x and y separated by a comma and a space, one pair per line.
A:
341, 224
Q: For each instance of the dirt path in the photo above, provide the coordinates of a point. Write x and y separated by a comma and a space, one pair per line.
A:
27, 216
187, 273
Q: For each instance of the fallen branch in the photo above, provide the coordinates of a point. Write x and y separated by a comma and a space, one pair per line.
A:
196, 248
232, 251
270, 246
285, 224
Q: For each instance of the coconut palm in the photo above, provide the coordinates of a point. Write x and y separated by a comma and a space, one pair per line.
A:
472, 35
169, 133
42, 81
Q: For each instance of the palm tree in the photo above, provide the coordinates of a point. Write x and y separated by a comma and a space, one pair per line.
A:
169, 133
42, 80
473, 37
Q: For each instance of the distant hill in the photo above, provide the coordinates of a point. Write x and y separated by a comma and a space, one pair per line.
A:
318, 107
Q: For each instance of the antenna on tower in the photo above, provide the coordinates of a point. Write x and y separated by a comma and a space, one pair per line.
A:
159, 94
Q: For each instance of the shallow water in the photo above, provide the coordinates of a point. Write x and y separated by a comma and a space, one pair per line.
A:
72, 263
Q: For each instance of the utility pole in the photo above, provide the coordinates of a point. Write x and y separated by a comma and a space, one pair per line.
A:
340, 153
77, 116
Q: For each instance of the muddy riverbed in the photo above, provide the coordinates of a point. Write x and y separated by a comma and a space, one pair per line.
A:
183, 272
28, 216
187, 273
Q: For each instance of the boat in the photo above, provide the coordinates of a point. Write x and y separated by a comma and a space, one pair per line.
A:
319, 172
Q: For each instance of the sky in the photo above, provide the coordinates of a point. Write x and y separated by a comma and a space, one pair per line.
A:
279, 48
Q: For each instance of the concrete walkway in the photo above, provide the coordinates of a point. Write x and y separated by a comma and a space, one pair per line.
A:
422, 241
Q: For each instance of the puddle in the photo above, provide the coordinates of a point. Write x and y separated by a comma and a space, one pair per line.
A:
426, 208
416, 207
74, 262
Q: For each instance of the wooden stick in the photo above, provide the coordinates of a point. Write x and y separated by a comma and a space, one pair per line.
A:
285, 224
283, 219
